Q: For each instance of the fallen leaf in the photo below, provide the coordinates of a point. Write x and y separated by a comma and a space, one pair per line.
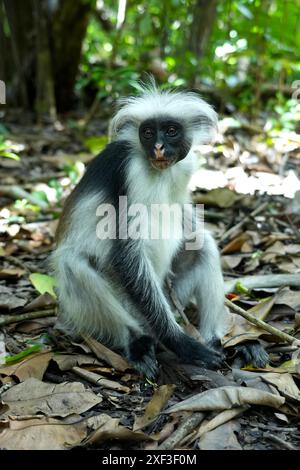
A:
220, 419
236, 244
68, 361
109, 429
10, 301
221, 197
42, 433
224, 398
242, 330
156, 404
221, 438
106, 354
32, 366
43, 300
12, 273
284, 383
33, 396
231, 261
43, 283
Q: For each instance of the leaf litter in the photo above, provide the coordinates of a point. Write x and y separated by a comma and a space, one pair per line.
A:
65, 394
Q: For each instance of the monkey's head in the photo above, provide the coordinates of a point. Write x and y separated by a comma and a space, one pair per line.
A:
162, 126
164, 141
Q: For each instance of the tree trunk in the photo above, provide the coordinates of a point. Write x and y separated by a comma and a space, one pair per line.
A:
45, 48
20, 19
69, 27
45, 98
204, 13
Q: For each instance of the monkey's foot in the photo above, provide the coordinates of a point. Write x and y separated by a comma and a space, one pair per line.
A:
142, 356
253, 353
193, 352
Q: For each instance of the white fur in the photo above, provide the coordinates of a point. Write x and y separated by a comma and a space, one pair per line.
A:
95, 305
199, 117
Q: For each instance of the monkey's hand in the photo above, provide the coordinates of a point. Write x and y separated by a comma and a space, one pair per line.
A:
142, 356
193, 352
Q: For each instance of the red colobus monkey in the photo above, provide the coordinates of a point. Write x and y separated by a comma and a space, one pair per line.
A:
112, 287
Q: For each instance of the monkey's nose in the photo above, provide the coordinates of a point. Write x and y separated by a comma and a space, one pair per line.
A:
159, 151
159, 146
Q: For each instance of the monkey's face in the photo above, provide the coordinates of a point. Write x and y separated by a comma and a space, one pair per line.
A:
164, 142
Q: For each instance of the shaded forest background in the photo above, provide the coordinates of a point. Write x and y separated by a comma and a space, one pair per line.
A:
58, 55
64, 64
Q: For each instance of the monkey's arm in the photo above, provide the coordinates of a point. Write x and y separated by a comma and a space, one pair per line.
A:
143, 286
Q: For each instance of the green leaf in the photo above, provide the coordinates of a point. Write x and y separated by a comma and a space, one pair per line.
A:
11, 155
96, 144
43, 283
22, 354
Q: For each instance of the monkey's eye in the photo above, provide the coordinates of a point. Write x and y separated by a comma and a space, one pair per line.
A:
172, 131
148, 132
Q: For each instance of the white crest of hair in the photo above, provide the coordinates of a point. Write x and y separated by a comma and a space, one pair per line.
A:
198, 117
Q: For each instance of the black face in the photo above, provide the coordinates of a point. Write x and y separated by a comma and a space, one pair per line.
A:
163, 141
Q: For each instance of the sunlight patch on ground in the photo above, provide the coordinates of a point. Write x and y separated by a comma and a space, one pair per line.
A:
237, 179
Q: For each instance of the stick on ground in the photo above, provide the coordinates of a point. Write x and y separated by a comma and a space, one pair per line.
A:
261, 324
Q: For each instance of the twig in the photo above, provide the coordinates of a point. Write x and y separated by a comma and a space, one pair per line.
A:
98, 379
238, 226
17, 262
16, 192
221, 418
261, 324
185, 428
278, 440
268, 280
8, 319
281, 349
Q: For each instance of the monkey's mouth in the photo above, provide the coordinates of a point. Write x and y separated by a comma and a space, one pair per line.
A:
161, 164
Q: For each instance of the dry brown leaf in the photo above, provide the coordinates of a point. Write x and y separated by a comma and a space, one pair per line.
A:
221, 197
224, 398
9, 301
106, 354
231, 261
41, 434
43, 300
221, 438
33, 365
68, 361
12, 273
33, 396
109, 428
288, 297
242, 330
236, 244
220, 419
284, 383
156, 404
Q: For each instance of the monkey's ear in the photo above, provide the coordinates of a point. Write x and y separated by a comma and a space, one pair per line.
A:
117, 127
205, 129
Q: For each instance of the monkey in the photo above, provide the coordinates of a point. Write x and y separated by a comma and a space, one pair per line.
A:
113, 286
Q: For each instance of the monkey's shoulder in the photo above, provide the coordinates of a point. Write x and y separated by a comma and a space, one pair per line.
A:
106, 172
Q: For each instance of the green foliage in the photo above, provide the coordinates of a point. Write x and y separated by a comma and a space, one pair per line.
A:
5, 148
43, 283
252, 43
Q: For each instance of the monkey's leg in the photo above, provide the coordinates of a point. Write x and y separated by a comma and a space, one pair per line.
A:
90, 304
144, 288
198, 274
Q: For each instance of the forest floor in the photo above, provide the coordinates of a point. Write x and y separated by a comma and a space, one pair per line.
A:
250, 187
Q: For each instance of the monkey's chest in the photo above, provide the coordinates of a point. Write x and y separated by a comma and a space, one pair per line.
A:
163, 243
